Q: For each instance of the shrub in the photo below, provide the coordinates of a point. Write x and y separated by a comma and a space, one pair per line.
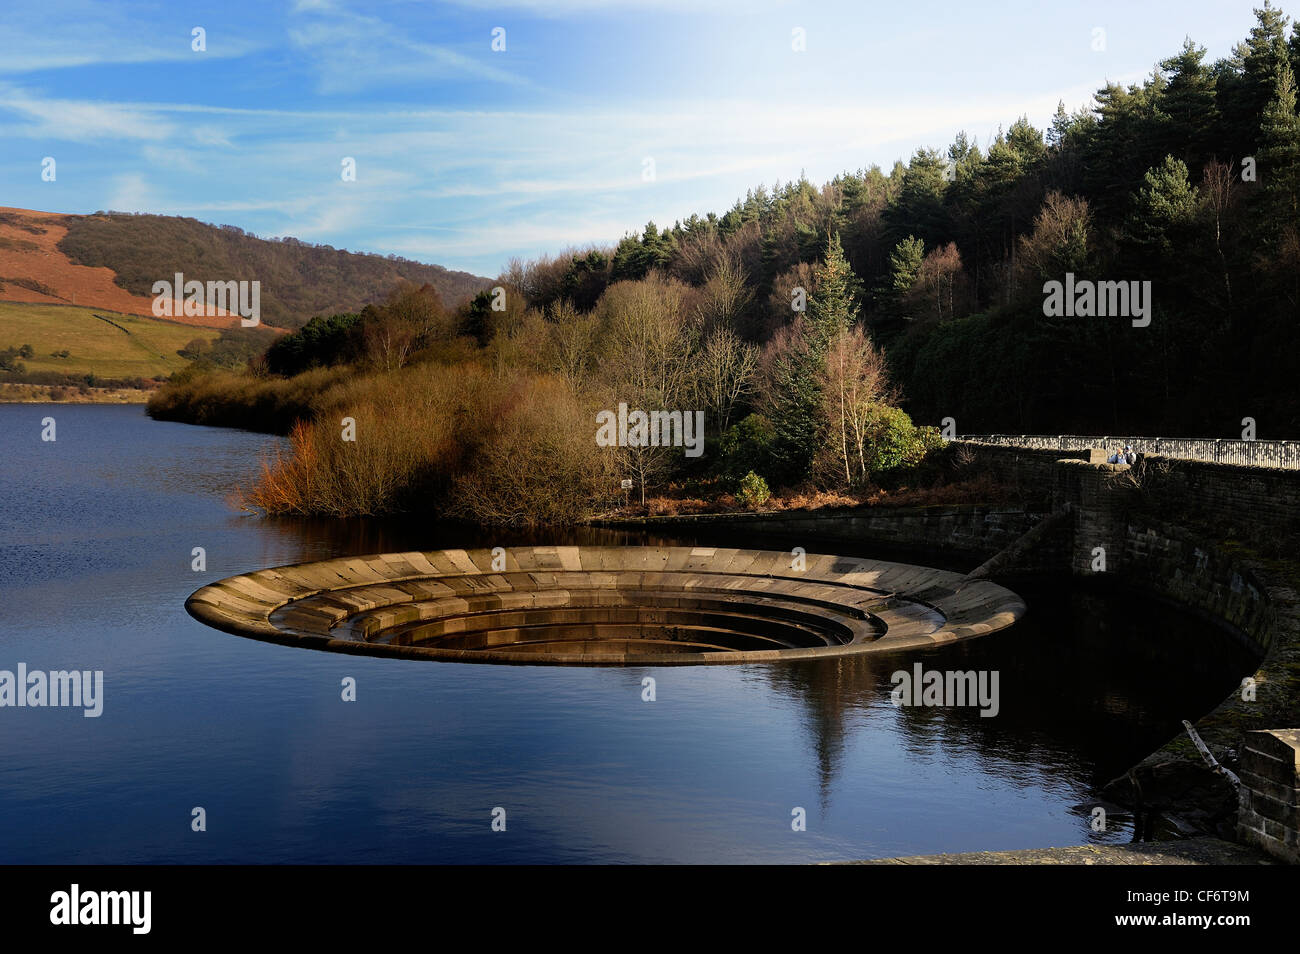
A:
202, 394
451, 440
538, 465
753, 492
745, 447
892, 440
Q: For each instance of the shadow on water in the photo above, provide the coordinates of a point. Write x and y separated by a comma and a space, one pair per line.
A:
1091, 681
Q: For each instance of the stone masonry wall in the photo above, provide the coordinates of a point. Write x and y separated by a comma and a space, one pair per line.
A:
975, 532
1269, 814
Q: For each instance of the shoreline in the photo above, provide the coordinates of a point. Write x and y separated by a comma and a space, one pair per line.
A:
15, 393
1189, 851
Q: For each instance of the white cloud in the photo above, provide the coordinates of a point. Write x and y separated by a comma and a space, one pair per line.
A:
131, 193
80, 120
68, 34
560, 8
350, 51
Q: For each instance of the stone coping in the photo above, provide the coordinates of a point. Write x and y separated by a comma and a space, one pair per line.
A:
600, 606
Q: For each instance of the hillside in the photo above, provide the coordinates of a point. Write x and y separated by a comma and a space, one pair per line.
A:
299, 280
110, 262
75, 342
33, 269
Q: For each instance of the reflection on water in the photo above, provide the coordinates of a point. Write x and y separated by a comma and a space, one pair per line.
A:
96, 539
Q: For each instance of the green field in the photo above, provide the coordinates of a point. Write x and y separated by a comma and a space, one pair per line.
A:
140, 347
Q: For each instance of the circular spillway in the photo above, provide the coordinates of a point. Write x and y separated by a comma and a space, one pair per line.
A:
605, 606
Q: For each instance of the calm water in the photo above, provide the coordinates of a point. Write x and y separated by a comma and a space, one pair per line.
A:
96, 532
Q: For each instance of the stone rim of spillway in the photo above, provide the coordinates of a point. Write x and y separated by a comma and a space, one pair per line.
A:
605, 606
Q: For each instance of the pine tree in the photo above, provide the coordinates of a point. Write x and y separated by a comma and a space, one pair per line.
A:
1280, 152
1163, 208
833, 305
1187, 106
905, 265
1251, 84
800, 369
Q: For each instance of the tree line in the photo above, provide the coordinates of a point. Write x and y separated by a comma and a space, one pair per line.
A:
815, 324
1189, 179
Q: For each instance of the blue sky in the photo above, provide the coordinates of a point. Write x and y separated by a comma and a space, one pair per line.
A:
467, 156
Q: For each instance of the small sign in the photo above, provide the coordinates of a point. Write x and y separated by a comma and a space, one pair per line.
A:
627, 484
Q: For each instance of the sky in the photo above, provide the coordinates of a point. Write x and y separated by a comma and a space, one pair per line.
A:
596, 117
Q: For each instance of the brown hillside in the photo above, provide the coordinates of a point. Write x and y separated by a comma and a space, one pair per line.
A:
299, 280
33, 269
110, 260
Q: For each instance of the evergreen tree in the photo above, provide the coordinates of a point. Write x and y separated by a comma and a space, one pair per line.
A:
1250, 84
800, 367
833, 305
1163, 208
1187, 107
1279, 166
905, 265
919, 208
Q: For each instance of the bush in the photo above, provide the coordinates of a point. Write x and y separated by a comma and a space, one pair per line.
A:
450, 440
745, 447
753, 492
202, 394
892, 440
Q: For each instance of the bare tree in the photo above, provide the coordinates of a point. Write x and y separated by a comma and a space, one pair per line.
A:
726, 372
941, 270
856, 382
1060, 239
649, 361
725, 295
388, 340
573, 342
1219, 194
419, 308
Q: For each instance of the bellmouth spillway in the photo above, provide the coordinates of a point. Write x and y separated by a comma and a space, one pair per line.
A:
606, 606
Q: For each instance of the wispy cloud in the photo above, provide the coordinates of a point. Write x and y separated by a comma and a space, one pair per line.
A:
352, 51
69, 34
468, 156
564, 8
131, 193
79, 120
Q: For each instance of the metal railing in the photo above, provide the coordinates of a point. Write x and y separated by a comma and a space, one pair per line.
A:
1284, 454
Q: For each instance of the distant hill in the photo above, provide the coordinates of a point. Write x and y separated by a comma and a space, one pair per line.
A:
111, 260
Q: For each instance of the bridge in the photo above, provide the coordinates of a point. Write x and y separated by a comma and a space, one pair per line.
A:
1283, 454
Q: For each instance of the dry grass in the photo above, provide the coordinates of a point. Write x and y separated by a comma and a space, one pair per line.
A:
455, 440
982, 489
241, 399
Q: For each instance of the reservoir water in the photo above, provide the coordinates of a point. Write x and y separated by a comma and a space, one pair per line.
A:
97, 531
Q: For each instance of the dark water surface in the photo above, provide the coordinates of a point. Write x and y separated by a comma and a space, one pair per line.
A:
96, 534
